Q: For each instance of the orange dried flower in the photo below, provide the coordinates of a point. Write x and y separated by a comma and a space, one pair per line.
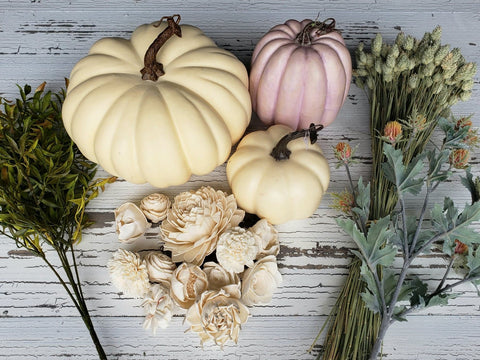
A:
462, 123
392, 131
343, 201
471, 139
459, 158
460, 248
343, 151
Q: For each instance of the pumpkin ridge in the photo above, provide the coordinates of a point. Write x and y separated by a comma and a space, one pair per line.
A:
73, 119
184, 90
309, 170
226, 89
172, 65
174, 126
329, 93
339, 55
102, 123
187, 96
102, 47
280, 80
291, 60
258, 180
106, 75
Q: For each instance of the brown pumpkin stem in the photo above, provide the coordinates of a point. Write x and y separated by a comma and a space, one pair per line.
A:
281, 151
324, 27
152, 69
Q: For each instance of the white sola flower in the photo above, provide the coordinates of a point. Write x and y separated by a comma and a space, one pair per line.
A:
129, 273
260, 281
236, 248
158, 307
155, 207
130, 223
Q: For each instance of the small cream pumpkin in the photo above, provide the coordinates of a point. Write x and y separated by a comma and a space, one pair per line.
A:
157, 108
284, 185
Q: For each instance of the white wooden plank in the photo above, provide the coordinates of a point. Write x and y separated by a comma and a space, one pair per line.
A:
422, 337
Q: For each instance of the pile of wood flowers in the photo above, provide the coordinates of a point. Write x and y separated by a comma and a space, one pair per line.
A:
216, 268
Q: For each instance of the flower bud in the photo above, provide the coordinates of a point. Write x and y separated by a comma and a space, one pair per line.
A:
419, 123
400, 39
378, 66
370, 83
130, 222
409, 43
465, 95
467, 85
441, 53
392, 131
412, 81
155, 207
460, 248
459, 158
463, 122
343, 151
343, 201
437, 33
377, 45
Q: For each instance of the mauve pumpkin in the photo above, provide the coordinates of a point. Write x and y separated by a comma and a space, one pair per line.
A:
300, 74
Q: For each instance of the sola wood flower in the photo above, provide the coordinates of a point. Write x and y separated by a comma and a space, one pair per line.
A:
236, 248
129, 273
130, 222
160, 267
155, 207
266, 237
187, 283
158, 307
218, 315
218, 277
196, 220
260, 281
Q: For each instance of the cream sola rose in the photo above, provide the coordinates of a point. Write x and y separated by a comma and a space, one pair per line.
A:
267, 238
260, 281
196, 220
155, 207
129, 273
160, 267
218, 277
130, 222
158, 307
236, 249
187, 283
218, 315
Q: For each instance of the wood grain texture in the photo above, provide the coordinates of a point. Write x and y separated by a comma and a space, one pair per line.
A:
42, 40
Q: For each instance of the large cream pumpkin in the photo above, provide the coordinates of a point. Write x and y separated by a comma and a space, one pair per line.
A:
158, 131
278, 185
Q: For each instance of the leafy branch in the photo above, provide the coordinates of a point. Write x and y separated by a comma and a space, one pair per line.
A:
45, 186
387, 290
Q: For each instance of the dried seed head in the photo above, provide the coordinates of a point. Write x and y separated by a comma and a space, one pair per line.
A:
437, 33
377, 45
409, 43
441, 53
459, 158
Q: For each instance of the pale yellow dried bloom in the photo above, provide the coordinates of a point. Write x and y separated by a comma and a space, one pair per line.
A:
196, 220
218, 315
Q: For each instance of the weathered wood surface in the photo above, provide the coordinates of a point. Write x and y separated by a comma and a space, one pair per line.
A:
41, 40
